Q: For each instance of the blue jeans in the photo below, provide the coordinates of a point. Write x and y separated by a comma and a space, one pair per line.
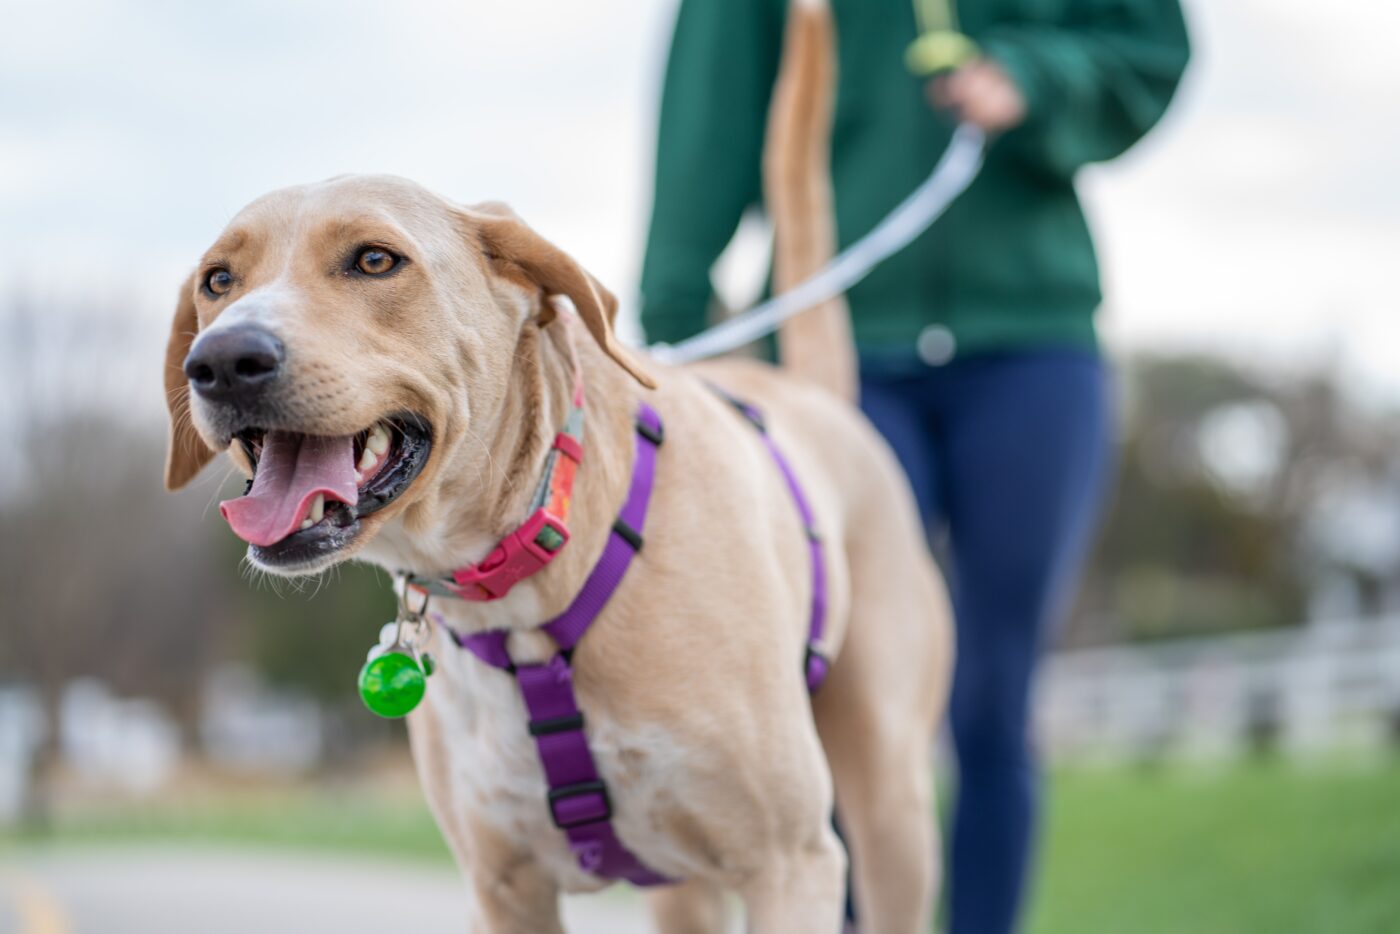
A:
1008, 454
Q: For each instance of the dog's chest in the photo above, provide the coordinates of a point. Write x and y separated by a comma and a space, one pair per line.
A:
493, 774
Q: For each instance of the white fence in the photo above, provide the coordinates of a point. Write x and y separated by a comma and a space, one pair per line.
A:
1319, 689
133, 746
21, 728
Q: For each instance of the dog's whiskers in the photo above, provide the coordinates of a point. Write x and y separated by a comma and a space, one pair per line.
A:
491, 464
214, 494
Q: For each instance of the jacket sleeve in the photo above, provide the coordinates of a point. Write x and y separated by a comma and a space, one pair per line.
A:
714, 106
1095, 83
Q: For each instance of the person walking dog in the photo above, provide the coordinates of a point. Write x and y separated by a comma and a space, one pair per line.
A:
979, 360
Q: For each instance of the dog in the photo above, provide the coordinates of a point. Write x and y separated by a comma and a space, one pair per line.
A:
392, 368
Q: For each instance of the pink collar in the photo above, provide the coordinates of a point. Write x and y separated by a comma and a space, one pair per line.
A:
540, 538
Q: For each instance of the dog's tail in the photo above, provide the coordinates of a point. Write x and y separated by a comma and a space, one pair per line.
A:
815, 345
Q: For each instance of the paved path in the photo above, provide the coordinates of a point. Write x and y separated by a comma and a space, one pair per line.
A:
169, 890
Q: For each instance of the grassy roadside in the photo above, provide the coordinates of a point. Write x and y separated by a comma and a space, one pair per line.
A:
389, 824
1259, 848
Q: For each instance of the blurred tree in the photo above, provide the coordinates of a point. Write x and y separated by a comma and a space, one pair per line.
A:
102, 574
1214, 525
105, 575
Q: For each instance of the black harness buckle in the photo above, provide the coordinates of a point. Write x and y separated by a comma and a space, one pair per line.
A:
628, 534
815, 666
654, 435
578, 790
553, 725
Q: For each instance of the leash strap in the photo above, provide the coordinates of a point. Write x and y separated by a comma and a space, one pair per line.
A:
578, 798
955, 171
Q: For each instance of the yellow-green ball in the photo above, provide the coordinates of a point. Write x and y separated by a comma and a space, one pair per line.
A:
391, 684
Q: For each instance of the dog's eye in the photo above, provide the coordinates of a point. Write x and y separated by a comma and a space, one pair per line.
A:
374, 261
218, 281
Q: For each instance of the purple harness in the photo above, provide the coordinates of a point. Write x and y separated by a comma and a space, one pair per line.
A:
578, 798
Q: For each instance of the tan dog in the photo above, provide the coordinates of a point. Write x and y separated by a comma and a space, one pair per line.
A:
369, 318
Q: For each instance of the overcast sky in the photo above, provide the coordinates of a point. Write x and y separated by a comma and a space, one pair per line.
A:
1262, 219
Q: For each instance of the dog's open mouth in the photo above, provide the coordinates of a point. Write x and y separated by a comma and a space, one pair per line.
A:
309, 492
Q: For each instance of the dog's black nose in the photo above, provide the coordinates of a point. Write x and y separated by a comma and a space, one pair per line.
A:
234, 364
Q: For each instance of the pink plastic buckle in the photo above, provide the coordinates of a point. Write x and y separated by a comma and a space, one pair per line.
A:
520, 554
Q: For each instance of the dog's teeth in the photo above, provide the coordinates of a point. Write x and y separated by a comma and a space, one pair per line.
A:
318, 508
368, 459
378, 440
359, 478
306, 524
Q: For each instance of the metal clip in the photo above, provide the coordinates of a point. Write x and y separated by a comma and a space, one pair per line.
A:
412, 628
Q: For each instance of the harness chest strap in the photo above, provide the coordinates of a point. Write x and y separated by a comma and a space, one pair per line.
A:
578, 798
815, 664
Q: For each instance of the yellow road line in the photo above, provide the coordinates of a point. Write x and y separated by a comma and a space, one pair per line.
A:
38, 910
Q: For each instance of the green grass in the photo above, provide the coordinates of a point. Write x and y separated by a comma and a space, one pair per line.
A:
1264, 848
395, 825
1261, 849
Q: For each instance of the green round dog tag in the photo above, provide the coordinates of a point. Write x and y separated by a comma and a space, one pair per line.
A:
392, 684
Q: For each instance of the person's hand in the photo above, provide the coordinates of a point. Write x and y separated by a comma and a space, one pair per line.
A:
981, 93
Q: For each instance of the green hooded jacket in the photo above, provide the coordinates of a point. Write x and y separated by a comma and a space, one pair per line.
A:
1011, 264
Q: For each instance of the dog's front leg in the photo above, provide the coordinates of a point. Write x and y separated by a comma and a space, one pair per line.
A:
695, 906
515, 896
800, 891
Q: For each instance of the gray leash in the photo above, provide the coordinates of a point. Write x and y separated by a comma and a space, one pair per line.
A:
954, 172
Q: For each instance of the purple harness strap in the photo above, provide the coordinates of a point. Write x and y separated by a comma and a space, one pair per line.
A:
578, 798
815, 664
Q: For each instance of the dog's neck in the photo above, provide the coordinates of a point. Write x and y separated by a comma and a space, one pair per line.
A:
490, 498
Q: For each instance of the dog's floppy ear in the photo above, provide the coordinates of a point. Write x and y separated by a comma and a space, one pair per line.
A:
188, 452
509, 241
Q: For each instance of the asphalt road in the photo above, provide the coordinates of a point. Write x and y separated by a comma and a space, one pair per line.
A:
164, 890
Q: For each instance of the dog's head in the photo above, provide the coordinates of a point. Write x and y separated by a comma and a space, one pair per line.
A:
343, 341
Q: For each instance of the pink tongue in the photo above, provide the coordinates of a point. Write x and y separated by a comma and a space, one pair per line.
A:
292, 469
